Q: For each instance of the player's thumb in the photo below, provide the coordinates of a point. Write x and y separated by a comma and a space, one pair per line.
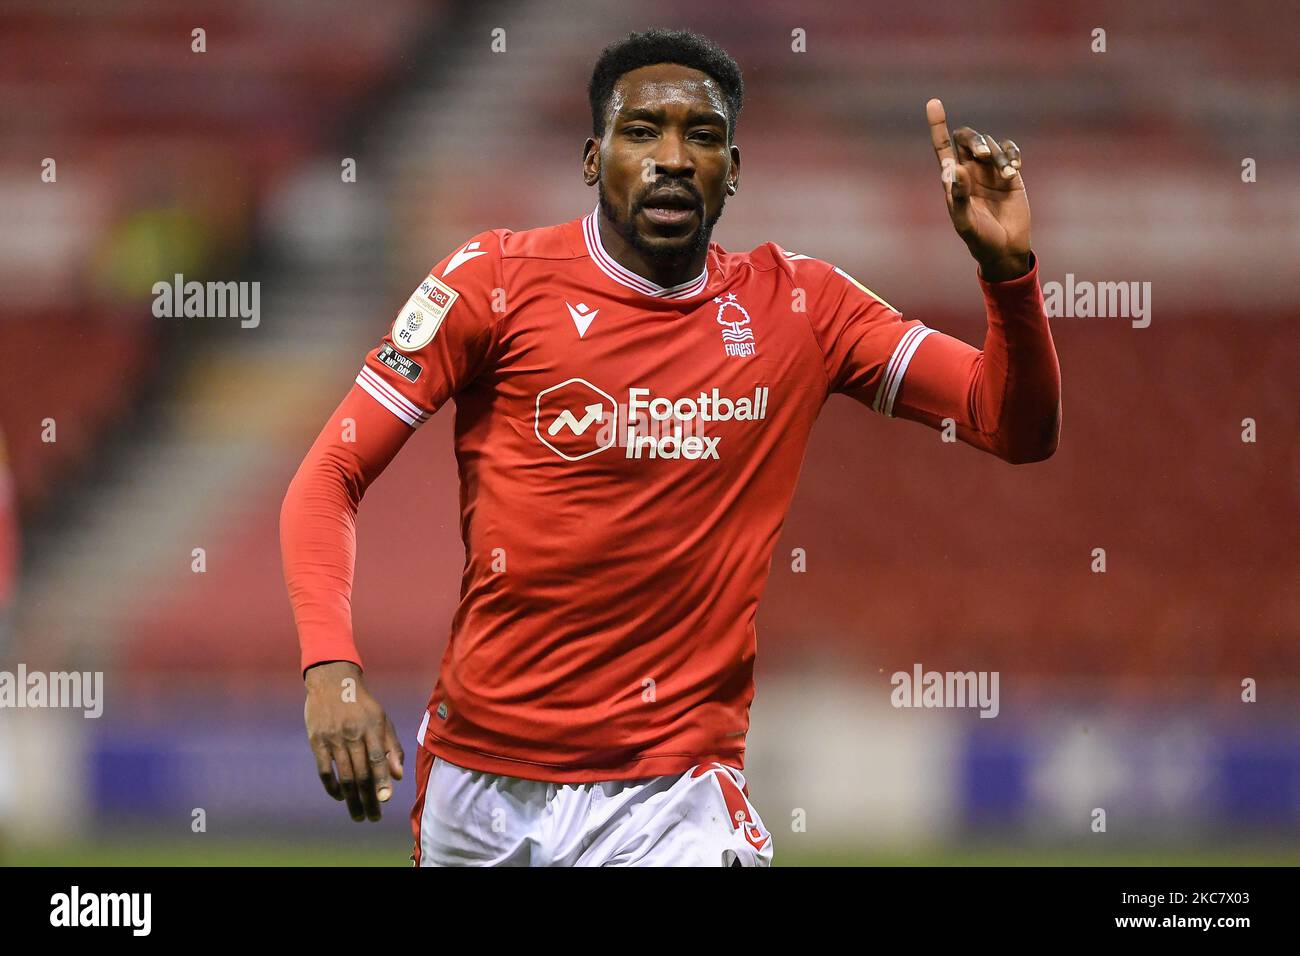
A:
396, 756
959, 197
959, 186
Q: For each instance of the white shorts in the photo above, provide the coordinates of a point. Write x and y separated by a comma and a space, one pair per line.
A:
702, 817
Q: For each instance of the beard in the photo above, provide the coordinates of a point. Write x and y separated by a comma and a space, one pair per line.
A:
698, 241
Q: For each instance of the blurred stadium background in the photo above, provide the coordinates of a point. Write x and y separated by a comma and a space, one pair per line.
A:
1119, 690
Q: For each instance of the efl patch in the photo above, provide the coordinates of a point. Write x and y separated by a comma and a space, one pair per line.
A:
423, 313
399, 363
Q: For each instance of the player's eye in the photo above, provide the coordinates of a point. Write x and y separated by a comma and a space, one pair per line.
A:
638, 132
705, 136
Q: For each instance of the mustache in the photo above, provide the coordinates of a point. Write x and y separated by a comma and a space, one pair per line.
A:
676, 185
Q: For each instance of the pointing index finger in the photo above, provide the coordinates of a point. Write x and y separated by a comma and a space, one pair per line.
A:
939, 135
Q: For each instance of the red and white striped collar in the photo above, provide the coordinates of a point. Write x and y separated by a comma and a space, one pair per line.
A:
623, 276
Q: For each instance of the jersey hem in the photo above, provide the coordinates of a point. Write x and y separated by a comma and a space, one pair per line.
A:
650, 765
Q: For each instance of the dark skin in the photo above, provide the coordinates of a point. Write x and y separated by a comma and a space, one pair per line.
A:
356, 748
666, 125
985, 194
666, 133
665, 128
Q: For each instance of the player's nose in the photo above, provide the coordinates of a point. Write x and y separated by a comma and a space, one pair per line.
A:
673, 158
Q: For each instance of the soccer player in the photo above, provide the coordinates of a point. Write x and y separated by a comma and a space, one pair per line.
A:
632, 407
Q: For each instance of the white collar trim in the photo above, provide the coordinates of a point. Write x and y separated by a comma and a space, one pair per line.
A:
623, 276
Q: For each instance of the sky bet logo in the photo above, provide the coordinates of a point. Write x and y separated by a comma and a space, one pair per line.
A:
575, 420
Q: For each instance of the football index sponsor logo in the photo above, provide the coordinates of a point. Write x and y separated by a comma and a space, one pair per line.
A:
575, 419
658, 415
565, 415
737, 337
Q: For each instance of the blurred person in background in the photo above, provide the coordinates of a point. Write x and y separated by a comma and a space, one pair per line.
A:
158, 233
8, 592
8, 552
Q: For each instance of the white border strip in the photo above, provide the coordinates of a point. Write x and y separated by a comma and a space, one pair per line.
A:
393, 393
623, 276
390, 398
897, 368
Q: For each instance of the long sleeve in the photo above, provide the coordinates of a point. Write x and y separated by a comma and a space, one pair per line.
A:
318, 522
1004, 399
441, 339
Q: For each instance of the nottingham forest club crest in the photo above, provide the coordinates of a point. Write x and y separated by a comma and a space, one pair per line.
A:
737, 336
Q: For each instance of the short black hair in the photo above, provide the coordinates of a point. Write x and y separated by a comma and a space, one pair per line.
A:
664, 46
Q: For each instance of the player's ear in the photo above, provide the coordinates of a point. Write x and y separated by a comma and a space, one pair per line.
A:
733, 181
590, 161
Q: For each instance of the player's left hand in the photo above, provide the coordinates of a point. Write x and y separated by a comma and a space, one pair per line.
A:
986, 196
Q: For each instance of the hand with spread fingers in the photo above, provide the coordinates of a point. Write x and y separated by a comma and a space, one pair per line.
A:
986, 196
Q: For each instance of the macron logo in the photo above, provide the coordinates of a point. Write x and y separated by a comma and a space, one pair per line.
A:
582, 317
461, 257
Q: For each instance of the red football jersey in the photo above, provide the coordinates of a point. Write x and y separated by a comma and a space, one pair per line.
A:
627, 454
